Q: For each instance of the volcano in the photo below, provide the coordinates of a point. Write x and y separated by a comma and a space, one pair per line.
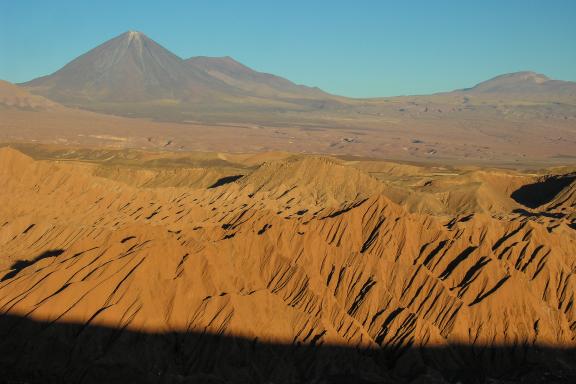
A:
132, 68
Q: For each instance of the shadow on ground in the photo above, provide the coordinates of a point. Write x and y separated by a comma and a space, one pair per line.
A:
550, 215
537, 194
21, 264
54, 352
225, 180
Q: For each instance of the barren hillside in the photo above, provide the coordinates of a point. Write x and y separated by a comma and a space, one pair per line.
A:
287, 269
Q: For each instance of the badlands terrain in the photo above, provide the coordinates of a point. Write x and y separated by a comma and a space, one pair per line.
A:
140, 266
171, 220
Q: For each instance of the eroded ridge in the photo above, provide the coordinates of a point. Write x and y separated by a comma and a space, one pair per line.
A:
279, 261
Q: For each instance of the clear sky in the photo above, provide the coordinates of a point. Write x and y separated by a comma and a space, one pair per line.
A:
355, 48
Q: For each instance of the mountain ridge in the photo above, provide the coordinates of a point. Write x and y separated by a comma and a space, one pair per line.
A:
522, 82
132, 67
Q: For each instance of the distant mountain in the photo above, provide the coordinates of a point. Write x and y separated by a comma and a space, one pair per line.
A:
237, 75
524, 83
133, 75
132, 68
14, 97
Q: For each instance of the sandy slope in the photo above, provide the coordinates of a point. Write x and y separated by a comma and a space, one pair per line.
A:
299, 250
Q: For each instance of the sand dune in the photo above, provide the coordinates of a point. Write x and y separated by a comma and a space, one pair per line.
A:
300, 251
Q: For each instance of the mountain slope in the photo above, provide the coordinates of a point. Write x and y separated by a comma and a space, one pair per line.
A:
15, 97
127, 68
524, 83
240, 76
132, 68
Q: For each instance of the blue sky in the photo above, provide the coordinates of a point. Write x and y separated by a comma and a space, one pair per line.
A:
356, 48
